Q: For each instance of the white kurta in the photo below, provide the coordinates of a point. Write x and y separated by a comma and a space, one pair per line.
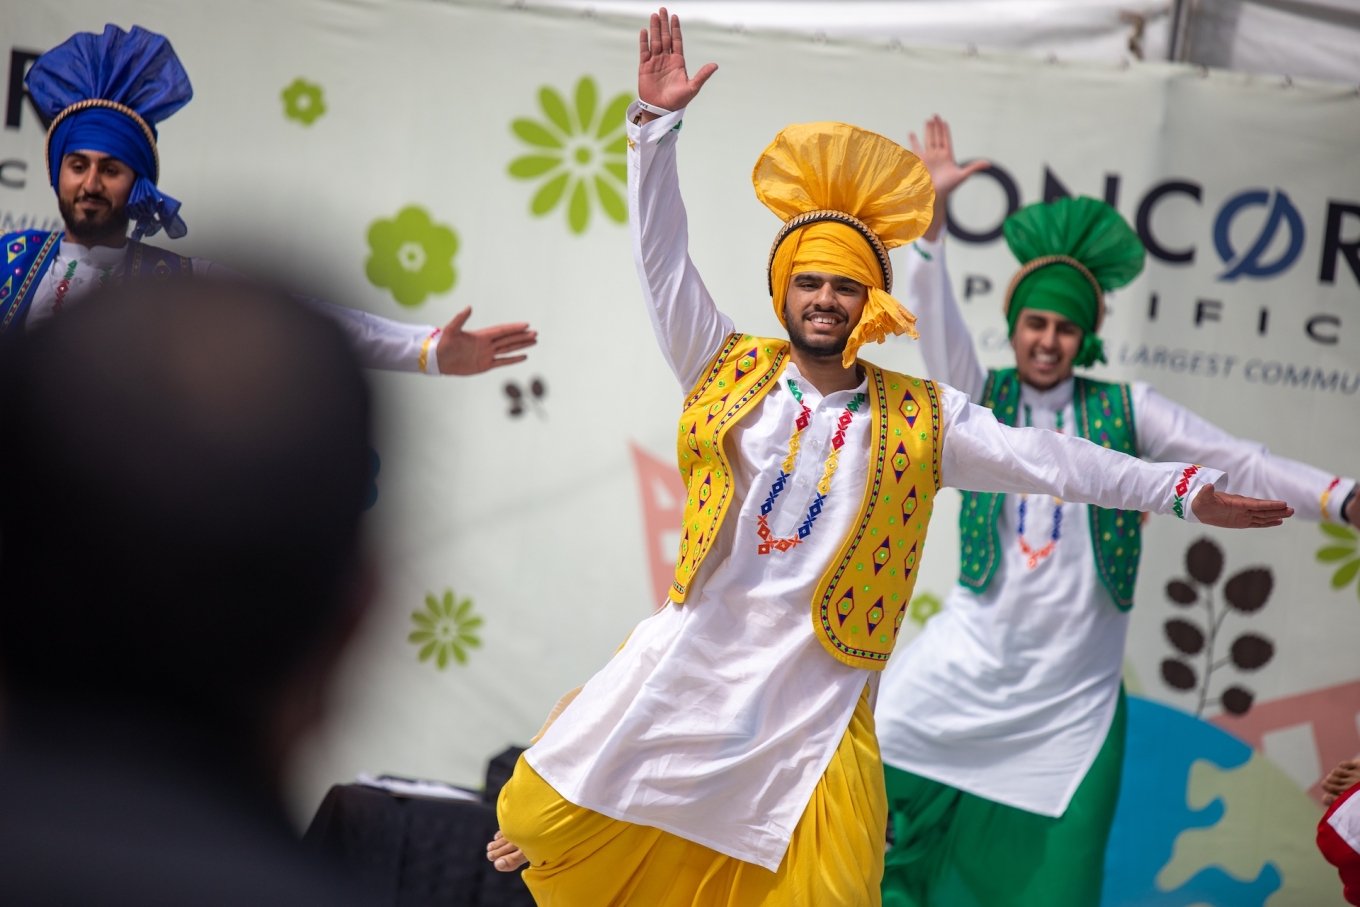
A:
380, 342
1008, 694
717, 718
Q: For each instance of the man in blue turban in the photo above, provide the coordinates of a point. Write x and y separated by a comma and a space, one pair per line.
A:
104, 95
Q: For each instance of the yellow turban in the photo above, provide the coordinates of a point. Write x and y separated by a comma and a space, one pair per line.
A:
846, 196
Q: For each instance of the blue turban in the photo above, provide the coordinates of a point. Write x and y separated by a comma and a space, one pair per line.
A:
128, 82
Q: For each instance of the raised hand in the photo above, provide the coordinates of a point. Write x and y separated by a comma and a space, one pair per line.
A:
1232, 511
463, 352
938, 155
662, 79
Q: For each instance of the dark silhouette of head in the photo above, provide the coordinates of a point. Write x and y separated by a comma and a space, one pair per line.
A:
183, 466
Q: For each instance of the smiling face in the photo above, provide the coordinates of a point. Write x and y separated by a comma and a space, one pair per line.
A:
821, 310
92, 193
1045, 344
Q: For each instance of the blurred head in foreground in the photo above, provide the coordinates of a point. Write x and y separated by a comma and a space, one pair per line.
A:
185, 465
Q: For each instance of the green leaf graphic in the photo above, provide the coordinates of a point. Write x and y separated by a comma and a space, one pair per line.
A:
1345, 574
613, 118
555, 108
578, 210
549, 194
535, 134
531, 165
610, 200
585, 103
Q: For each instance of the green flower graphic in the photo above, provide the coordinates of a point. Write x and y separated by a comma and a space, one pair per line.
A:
445, 629
1345, 546
303, 101
924, 607
411, 255
578, 153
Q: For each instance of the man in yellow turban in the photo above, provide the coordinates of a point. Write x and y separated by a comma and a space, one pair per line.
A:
1002, 727
726, 755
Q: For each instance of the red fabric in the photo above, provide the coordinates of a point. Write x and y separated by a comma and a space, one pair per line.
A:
1339, 853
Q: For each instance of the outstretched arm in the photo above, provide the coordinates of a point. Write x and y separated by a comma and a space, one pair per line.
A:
688, 325
981, 454
1169, 431
946, 345
397, 346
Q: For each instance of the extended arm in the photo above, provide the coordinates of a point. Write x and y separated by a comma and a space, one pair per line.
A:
981, 454
688, 325
946, 345
1169, 431
383, 343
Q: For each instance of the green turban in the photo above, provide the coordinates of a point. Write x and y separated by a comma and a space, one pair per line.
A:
1096, 251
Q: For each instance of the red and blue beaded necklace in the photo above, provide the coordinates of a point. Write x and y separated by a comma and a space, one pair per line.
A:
768, 541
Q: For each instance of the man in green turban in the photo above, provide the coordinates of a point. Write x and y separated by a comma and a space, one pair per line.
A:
1002, 726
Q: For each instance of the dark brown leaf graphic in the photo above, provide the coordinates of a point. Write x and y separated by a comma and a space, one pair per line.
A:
1181, 593
1237, 700
1247, 591
1204, 561
1250, 651
1185, 636
1178, 674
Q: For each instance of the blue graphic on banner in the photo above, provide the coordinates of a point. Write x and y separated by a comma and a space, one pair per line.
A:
1250, 264
1162, 744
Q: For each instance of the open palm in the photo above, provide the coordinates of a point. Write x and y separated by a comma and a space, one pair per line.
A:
1233, 511
937, 153
662, 78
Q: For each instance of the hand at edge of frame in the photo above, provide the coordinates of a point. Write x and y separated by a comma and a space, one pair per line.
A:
1233, 511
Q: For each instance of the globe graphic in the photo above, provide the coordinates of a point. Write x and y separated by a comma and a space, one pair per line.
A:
1204, 820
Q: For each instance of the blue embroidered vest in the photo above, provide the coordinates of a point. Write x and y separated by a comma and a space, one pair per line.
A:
1104, 416
29, 253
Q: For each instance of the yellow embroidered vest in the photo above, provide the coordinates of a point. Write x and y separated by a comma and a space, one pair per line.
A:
859, 604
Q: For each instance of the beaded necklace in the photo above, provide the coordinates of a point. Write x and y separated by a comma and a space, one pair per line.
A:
768, 541
1036, 555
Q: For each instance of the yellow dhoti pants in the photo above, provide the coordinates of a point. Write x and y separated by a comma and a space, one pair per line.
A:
580, 858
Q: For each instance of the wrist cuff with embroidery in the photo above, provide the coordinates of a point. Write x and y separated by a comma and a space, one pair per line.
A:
1187, 485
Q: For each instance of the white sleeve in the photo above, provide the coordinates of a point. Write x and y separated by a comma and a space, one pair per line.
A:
981, 454
946, 346
1168, 431
688, 325
379, 342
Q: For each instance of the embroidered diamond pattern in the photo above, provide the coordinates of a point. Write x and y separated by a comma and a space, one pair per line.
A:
717, 407
846, 605
900, 460
745, 364
875, 616
881, 555
909, 505
909, 409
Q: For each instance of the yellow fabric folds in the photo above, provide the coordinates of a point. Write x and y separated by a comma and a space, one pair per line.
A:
580, 858
832, 166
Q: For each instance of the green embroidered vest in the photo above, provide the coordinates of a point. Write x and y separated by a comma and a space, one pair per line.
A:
1104, 416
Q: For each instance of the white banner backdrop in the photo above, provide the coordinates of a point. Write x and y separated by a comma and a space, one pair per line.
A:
531, 510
